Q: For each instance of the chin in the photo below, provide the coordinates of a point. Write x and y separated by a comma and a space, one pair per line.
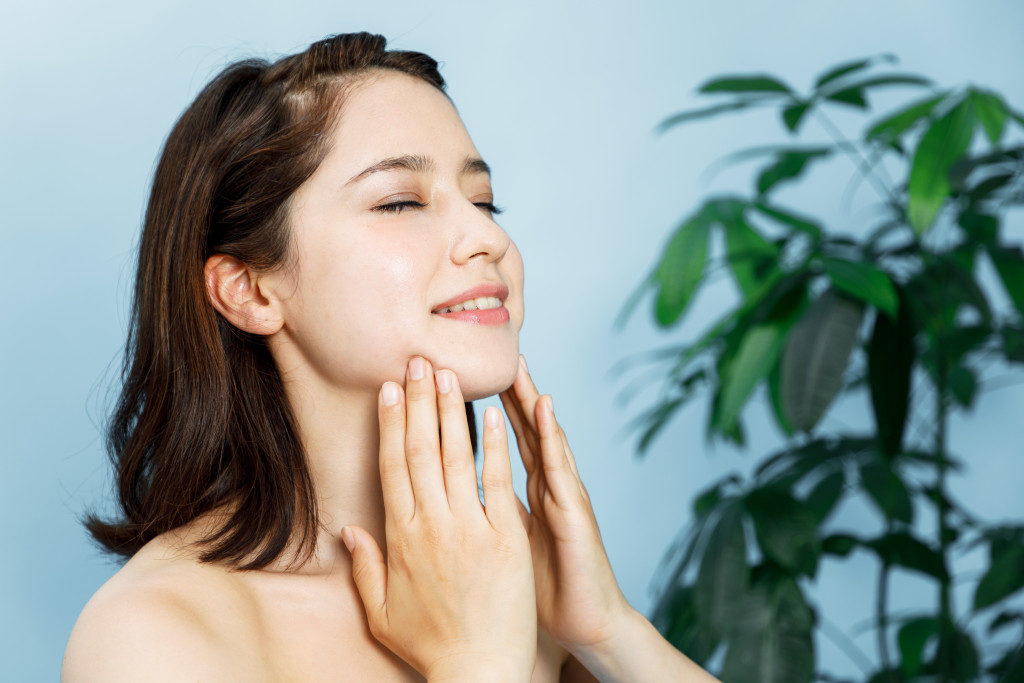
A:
489, 381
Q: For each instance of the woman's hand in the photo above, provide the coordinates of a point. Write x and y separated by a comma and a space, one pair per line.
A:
578, 599
455, 596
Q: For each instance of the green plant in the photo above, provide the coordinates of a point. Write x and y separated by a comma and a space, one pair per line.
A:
898, 313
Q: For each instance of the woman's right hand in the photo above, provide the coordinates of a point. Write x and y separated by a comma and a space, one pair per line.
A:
455, 597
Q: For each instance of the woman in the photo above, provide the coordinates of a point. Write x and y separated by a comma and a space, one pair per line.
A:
311, 223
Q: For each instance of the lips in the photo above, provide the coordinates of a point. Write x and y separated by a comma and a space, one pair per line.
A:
483, 289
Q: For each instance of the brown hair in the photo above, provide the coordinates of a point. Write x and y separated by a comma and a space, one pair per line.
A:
202, 418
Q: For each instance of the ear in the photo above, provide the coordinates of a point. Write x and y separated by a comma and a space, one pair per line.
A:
234, 290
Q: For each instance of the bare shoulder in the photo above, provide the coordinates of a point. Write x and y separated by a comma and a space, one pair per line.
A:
157, 619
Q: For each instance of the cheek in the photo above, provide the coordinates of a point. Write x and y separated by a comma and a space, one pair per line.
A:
359, 307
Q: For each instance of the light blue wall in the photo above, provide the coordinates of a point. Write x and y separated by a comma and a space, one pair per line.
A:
561, 98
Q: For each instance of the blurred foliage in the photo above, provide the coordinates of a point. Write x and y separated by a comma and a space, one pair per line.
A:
900, 314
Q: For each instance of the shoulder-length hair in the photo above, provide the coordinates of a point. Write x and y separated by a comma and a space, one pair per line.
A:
202, 418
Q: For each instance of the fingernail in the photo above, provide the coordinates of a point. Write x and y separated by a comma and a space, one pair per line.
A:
390, 392
346, 536
522, 361
444, 382
416, 368
491, 416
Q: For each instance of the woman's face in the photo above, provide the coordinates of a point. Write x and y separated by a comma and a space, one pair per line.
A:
358, 303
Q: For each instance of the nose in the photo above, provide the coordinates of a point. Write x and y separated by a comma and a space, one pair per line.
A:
477, 233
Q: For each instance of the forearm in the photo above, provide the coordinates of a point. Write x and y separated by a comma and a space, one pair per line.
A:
639, 653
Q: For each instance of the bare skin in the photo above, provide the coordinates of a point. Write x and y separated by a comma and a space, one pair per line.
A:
347, 317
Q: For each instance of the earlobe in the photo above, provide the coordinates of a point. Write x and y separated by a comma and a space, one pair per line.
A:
234, 290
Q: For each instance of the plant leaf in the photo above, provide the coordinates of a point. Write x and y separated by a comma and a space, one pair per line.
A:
681, 267
863, 281
772, 643
722, 576
895, 124
887, 490
788, 218
913, 636
1009, 263
757, 352
746, 83
1004, 577
848, 67
814, 360
900, 548
793, 114
704, 112
786, 529
990, 109
825, 495
787, 166
752, 258
943, 143
890, 361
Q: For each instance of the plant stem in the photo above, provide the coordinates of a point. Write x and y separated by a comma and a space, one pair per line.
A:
882, 616
862, 163
945, 591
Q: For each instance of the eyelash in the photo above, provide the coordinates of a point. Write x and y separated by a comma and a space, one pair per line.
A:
397, 207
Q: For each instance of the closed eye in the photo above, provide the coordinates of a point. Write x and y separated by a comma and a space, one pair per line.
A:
397, 207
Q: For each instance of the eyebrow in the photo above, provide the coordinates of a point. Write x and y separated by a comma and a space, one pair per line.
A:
420, 164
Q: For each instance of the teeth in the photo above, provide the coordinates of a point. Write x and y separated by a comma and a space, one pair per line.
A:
474, 304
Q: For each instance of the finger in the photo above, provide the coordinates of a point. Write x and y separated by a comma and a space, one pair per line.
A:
394, 470
529, 391
456, 448
496, 477
568, 451
557, 474
423, 439
527, 394
524, 436
370, 575
524, 514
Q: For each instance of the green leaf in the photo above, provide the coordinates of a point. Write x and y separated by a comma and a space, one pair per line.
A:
746, 83
863, 281
839, 544
681, 268
851, 96
1004, 577
786, 529
816, 353
757, 352
942, 144
751, 257
1009, 263
825, 495
887, 490
913, 636
900, 548
990, 109
894, 125
890, 361
794, 114
789, 219
847, 68
774, 380
676, 619
787, 166
722, 576
963, 385
702, 113
773, 642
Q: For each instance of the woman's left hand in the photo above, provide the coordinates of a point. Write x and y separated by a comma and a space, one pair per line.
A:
578, 599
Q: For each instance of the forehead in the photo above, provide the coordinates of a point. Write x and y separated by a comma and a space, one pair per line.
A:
394, 113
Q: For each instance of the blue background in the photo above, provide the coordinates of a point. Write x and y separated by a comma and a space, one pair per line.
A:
562, 100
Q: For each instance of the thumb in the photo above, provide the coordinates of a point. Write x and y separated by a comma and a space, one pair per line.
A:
368, 572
